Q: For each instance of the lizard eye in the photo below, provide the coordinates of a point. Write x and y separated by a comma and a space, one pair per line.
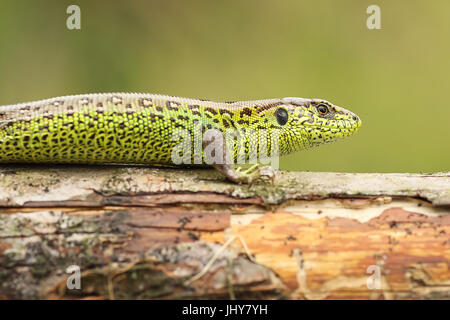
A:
282, 116
322, 109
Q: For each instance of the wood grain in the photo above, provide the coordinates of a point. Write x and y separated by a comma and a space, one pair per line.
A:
145, 233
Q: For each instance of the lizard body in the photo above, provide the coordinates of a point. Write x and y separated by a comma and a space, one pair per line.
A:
139, 128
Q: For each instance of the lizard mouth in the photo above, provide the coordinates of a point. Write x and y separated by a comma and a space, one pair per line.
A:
350, 129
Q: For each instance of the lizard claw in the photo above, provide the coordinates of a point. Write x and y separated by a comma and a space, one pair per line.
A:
268, 172
255, 172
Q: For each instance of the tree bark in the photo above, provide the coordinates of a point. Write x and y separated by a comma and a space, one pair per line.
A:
152, 233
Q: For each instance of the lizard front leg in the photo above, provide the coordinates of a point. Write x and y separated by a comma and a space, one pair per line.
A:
225, 164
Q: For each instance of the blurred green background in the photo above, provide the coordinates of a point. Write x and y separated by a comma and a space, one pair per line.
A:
396, 79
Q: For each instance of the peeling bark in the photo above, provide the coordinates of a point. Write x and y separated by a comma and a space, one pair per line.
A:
149, 233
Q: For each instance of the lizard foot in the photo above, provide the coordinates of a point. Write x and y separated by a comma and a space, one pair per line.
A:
253, 173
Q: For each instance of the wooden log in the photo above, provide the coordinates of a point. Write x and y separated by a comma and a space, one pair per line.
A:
152, 233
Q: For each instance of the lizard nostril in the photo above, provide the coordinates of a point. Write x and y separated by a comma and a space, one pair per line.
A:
355, 118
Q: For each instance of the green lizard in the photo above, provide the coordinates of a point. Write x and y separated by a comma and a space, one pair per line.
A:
139, 128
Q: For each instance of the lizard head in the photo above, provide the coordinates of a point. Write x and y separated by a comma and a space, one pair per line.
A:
305, 123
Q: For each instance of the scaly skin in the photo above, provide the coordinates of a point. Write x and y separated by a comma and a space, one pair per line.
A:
138, 128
